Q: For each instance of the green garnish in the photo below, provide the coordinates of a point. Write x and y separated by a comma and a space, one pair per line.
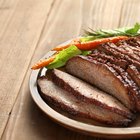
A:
86, 53
63, 56
127, 31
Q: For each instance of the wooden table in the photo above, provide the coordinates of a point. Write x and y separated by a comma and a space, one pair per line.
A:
28, 30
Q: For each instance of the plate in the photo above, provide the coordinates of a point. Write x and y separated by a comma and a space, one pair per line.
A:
76, 124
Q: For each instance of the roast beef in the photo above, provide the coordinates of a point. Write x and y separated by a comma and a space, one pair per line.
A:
134, 42
102, 76
129, 82
109, 58
69, 103
108, 49
131, 85
126, 50
130, 66
134, 73
134, 49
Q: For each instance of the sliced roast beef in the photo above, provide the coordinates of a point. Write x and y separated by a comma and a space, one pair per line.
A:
109, 58
102, 76
134, 73
125, 78
85, 92
127, 52
131, 85
117, 54
134, 65
129, 48
67, 102
131, 76
134, 42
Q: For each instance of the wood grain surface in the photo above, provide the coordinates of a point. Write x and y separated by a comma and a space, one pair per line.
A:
29, 29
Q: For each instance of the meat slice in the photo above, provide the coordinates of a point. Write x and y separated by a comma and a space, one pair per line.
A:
102, 76
129, 82
134, 73
67, 102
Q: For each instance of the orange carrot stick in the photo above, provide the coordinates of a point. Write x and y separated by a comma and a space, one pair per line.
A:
90, 44
43, 63
61, 47
93, 44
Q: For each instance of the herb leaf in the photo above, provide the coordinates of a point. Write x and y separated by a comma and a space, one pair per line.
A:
134, 30
127, 31
86, 53
63, 56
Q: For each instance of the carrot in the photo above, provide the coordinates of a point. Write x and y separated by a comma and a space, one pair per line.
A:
43, 63
93, 44
61, 47
90, 44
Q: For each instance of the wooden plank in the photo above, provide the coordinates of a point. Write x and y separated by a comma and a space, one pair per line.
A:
130, 13
37, 125
26, 120
106, 14
21, 23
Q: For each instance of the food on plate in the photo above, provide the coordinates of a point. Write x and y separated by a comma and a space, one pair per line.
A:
100, 78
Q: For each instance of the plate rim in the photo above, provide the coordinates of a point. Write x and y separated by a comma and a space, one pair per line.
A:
106, 132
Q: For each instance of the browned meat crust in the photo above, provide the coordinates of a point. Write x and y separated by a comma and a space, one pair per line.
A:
129, 48
124, 50
134, 73
134, 42
131, 85
117, 54
109, 58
